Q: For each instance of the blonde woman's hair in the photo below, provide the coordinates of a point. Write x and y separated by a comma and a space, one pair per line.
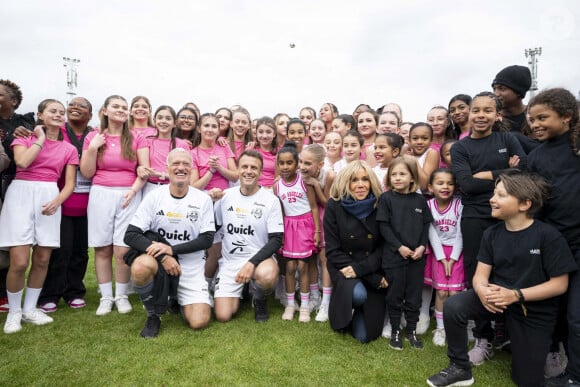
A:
411, 164
341, 187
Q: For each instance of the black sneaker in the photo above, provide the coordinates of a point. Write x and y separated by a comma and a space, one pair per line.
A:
151, 329
451, 376
173, 306
396, 340
260, 310
561, 380
414, 340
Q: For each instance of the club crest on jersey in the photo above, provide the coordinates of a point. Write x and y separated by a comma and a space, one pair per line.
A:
192, 215
257, 212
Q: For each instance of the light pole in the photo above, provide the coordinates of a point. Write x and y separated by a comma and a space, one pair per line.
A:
533, 54
71, 75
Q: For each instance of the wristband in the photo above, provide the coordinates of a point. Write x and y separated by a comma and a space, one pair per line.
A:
521, 297
38, 144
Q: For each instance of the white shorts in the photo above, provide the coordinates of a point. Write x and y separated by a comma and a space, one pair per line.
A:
21, 220
193, 287
225, 283
107, 221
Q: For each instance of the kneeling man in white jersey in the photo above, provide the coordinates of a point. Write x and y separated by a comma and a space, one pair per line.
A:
182, 216
253, 228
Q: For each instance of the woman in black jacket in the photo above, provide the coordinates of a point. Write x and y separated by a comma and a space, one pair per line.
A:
353, 249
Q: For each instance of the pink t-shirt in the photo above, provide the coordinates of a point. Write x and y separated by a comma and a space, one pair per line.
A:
268, 169
144, 132
239, 147
50, 161
437, 146
77, 202
158, 151
201, 162
112, 169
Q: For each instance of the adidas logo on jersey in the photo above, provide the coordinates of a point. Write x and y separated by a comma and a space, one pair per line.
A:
160, 213
231, 208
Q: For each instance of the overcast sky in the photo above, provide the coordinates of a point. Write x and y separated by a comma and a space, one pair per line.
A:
220, 53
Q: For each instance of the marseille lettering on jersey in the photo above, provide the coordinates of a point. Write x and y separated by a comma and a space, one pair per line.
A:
291, 195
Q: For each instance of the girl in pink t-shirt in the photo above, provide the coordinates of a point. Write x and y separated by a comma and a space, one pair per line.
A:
159, 146
214, 165
110, 157
140, 121
31, 213
439, 119
239, 136
367, 126
266, 145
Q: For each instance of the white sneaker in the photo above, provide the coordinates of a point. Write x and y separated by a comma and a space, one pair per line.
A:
387, 330
422, 324
289, 313
12, 324
36, 317
439, 337
322, 315
481, 351
123, 305
315, 301
105, 306
304, 315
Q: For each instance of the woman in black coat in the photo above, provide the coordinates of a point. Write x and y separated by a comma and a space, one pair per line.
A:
353, 250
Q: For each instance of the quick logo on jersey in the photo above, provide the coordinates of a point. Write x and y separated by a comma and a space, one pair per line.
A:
239, 246
174, 215
502, 150
175, 235
243, 230
535, 251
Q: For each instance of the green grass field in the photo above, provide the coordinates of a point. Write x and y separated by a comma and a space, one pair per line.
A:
82, 349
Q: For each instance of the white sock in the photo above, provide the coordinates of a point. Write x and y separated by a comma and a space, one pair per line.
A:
290, 298
15, 301
326, 293
30, 299
304, 299
439, 319
426, 299
121, 289
106, 289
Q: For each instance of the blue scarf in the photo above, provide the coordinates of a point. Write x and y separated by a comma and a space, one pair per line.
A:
360, 209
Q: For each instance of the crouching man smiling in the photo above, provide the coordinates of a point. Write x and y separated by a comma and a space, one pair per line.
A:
170, 231
253, 231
